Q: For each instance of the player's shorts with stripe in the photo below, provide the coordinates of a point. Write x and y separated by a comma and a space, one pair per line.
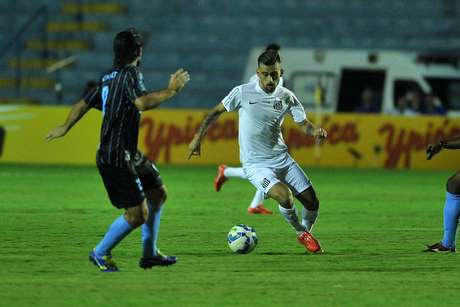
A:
264, 177
147, 172
122, 185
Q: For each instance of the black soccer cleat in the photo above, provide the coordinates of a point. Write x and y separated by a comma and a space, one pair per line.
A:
149, 262
439, 248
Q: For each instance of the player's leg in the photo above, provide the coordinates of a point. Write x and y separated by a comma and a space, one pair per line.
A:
156, 194
310, 207
119, 229
220, 177
150, 229
234, 172
125, 191
224, 173
299, 182
451, 215
265, 179
257, 204
451, 211
283, 195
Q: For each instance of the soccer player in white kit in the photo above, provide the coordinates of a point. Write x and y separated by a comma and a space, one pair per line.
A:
224, 172
267, 164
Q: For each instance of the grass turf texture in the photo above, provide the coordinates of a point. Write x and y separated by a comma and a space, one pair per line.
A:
372, 225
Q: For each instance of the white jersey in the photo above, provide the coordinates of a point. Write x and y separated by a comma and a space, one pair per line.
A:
255, 78
260, 118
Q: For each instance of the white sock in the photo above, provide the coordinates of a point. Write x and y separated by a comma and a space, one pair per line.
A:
290, 215
309, 218
257, 199
234, 172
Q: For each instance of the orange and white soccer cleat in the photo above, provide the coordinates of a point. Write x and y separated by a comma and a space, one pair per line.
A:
260, 209
220, 178
310, 243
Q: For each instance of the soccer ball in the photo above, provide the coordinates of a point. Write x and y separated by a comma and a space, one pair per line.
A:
242, 239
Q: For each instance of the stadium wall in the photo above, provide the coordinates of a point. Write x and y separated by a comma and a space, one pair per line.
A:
354, 140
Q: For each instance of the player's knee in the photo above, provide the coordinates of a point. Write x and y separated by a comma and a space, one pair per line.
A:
313, 205
453, 184
310, 204
158, 196
162, 194
136, 217
309, 200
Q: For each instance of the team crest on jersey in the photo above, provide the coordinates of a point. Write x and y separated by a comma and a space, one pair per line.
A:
265, 183
278, 105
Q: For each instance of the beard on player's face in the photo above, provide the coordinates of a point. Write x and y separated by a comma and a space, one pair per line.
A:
269, 76
269, 84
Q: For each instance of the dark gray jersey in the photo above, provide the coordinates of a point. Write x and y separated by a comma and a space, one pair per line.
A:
115, 96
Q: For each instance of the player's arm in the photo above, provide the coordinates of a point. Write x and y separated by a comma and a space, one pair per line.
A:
312, 130
433, 149
154, 99
300, 117
77, 112
194, 146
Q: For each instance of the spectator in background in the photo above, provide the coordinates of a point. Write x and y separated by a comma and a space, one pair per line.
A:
368, 104
415, 103
401, 107
433, 105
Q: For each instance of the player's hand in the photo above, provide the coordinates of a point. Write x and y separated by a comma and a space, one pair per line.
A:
55, 133
194, 147
178, 80
433, 149
320, 133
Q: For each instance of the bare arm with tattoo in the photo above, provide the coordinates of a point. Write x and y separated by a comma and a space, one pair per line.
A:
194, 146
310, 129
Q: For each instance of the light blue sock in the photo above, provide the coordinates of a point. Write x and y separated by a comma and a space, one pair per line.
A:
451, 214
119, 229
150, 230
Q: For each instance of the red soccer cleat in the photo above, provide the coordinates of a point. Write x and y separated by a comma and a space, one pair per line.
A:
260, 209
220, 178
310, 243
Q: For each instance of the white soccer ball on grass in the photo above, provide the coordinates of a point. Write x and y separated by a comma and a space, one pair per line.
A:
242, 239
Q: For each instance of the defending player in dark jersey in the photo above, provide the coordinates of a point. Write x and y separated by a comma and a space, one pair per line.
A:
127, 175
452, 204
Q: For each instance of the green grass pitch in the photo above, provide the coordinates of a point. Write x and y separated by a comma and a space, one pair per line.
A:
372, 225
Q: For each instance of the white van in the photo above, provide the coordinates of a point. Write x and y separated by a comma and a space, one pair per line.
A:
345, 74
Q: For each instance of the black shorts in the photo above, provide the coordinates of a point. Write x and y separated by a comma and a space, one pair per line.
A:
147, 172
123, 185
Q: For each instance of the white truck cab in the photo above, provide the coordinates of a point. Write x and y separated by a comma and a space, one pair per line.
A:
341, 76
